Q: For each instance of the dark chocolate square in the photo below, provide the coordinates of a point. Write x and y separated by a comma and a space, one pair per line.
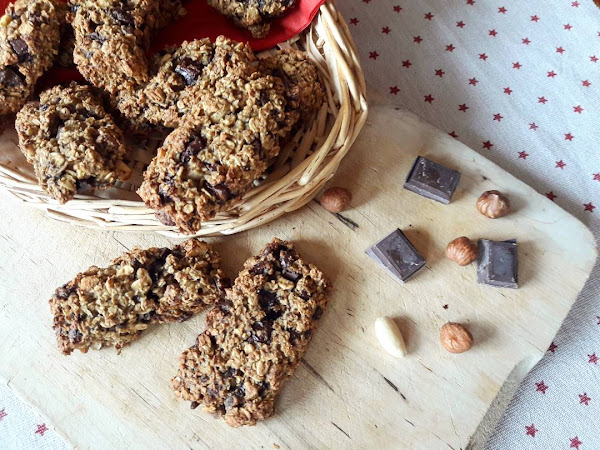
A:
432, 180
397, 255
498, 263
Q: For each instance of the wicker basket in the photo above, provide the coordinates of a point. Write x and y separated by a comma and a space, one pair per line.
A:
304, 165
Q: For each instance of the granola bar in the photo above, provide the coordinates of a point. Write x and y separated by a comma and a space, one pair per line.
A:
29, 37
113, 306
254, 15
255, 338
73, 144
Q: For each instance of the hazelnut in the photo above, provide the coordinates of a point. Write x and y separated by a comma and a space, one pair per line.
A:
462, 251
336, 199
456, 338
493, 204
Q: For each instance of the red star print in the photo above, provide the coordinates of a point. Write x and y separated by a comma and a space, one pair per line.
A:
453, 134
575, 442
542, 100
590, 208
575, 4
552, 74
439, 73
488, 145
526, 41
3, 414
531, 430
386, 30
584, 399
473, 81
493, 33
597, 317
417, 39
593, 359
483, 56
553, 346
498, 117
397, 8
463, 107
460, 24
593, 58
450, 48
429, 98
551, 195
508, 90
502, 10
586, 83
373, 55
533, 126
523, 155
41, 429
569, 137
535, 18
354, 21
560, 164
577, 109
540, 386
567, 26
470, 2
366, 1
517, 65
429, 16
394, 90
560, 50
406, 64
597, 178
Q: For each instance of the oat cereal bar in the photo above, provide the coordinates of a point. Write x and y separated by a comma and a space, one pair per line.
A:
112, 306
29, 38
254, 338
72, 142
255, 15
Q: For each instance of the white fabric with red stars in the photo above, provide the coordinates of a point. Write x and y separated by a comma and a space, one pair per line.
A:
518, 81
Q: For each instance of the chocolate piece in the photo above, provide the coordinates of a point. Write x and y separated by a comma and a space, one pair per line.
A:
397, 255
497, 263
432, 180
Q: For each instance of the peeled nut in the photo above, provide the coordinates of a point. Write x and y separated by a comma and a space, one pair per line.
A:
493, 204
336, 199
462, 251
390, 337
456, 338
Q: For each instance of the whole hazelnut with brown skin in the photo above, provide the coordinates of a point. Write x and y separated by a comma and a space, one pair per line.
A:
456, 338
336, 199
493, 204
462, 251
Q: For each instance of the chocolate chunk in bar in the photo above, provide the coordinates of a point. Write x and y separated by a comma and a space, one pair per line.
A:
432, 180
497, 263
397, 255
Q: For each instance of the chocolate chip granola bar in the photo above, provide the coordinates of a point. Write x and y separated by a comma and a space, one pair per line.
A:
29, 37
223, 145
255, 337
113, 306
255, 15
73, 144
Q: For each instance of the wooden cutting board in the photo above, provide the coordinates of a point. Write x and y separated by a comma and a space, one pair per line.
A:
347, 393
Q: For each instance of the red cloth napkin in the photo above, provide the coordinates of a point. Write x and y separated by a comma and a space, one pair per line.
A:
203, 21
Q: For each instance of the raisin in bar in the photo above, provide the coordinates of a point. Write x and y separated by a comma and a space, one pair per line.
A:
113, 306
254, 338
29, 39
254, 15
73, 143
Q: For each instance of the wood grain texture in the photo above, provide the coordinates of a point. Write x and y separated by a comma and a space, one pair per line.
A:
347, 393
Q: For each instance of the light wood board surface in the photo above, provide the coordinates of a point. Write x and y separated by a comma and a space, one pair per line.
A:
339, 396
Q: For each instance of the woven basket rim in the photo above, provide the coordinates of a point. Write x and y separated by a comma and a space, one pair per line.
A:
310, 160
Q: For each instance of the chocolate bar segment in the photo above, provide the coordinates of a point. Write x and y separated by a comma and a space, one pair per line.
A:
432, 180
497, 263
397, 255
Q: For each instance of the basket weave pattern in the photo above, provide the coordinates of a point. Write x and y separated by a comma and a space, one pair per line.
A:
303, 166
